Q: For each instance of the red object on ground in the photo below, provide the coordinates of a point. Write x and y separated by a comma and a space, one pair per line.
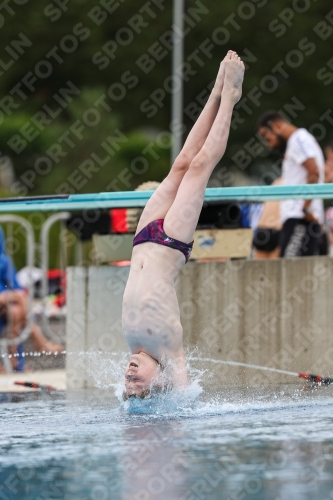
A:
118, 220
34, 385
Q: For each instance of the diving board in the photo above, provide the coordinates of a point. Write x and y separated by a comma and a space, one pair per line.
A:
128, 199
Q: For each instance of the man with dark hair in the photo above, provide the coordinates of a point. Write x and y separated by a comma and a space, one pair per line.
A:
303, 163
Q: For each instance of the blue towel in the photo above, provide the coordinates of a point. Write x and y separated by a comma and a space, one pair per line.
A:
8, 274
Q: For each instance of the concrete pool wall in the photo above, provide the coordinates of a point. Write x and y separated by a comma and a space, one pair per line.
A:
272, 313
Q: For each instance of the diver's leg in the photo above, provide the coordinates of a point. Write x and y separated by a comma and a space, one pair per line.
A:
182, 218
200, 130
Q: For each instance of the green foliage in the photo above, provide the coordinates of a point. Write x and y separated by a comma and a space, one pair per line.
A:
102, 55
90, 132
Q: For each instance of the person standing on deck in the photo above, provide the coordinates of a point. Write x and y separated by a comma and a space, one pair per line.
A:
303, 163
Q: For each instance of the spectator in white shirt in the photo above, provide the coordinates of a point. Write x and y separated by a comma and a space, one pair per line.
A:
303, 163
329, 162
329, 178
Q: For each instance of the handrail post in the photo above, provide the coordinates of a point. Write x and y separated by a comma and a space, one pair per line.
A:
44, 260
177, 62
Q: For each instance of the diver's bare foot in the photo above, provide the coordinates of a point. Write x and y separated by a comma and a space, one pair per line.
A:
234, 75
218, 85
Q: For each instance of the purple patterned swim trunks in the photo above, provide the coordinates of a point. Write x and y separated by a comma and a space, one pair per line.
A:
154, 232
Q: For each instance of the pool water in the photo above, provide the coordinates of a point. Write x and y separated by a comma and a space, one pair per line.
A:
270, 443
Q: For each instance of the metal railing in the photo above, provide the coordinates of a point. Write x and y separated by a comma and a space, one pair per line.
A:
44, 262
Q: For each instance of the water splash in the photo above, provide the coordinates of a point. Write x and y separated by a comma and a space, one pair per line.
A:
106, 372
172, 403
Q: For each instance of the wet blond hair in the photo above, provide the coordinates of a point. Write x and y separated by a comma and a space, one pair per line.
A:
143, 394
147, 393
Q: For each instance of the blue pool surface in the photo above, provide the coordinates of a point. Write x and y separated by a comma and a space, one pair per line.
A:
259, 444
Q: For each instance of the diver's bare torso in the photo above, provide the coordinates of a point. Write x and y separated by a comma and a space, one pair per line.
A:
151, 318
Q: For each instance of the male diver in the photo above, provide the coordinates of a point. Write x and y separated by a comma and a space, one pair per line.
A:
163, 243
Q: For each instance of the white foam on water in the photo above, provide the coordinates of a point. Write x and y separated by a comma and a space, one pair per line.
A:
106, 372
173, 403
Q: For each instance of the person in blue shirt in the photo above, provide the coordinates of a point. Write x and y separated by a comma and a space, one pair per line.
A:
14, 311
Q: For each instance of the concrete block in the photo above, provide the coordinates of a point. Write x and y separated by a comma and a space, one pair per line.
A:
76, 327
274, 313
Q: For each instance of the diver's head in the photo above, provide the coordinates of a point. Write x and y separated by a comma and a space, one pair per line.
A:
142, 376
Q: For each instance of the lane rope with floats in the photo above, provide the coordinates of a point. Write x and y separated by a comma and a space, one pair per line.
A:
317, 379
